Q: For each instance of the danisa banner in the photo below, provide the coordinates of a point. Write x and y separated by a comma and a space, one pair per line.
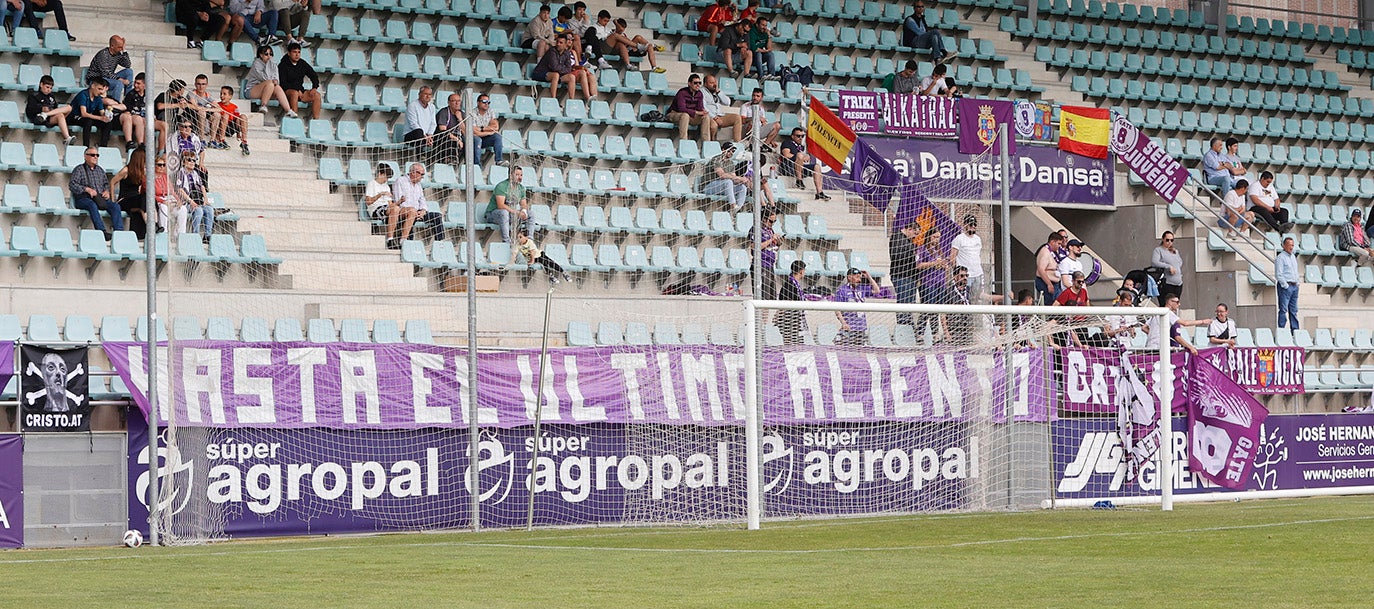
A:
1147, 159
53, 389
980, 121
11, 491
898, 114
1041, 174
347, 386
1306, 451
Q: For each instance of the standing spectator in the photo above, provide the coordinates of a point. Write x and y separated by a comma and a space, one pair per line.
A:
1354, 240
769, 239
1175, 326
723, 178
791, 323
510, 206
192, 186
1165, 256
799, 164
203, 20
95, 112
905, 80
1071, 264
32, 7
853, 325
755, 106
715, 18
207, 111
901, 251
1220, 165
560, 66
264, 83
183, 141
715, 103
1221, 330
932, 274
1265, 204
1235, 218
133, 183
112, 65
301, 10
967, 250
525, 246
734, 38
43, 110
539, 33
1047, 268
918, 33
90, 189
421, 118
135, 113
936, 84
410, 204
1286, 275
761, 46
689, 108
620, 43
294, 72
232, 122
959, 327
486, 130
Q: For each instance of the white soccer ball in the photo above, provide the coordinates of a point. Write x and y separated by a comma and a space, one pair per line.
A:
133, 538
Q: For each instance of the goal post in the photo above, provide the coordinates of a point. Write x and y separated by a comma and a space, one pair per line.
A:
935, 422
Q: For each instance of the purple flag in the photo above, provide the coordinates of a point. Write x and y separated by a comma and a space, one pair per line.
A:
11, 490
1147, 159
1223, 426
980, 121
873, 178
915, 207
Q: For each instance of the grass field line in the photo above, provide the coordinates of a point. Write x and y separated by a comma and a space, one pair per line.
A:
193, 553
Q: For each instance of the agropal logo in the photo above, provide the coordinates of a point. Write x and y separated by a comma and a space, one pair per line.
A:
174, 477
779, 461
492, 455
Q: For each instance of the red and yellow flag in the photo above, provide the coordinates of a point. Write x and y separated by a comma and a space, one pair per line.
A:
828, 138
1085, 131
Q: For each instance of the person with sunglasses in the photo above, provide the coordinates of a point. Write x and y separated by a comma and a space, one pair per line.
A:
90, 189
1166, 257
1175, 325
689, 108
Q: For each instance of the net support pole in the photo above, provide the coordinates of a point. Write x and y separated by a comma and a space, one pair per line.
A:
753, 505
539, 407
474, 502
757, 245
150, 213
1003, 138
1165, 453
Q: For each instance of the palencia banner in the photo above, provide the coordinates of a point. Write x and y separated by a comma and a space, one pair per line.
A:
1092, 377
54, 387
11, 491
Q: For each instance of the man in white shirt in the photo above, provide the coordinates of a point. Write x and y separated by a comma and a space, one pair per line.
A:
1071, 264
1175, 325
410, 201
420, 118
746, 113
936, 84
1237, 217
716, 103
967, 249
1265, 203
1221, 330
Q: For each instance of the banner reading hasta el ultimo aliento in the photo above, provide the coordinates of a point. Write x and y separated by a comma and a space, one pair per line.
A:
352, 386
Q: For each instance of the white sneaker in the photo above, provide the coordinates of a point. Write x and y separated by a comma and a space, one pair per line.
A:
292, 114
602, 63
43, 116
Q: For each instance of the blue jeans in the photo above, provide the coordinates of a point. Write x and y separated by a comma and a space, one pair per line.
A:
116, 86
905, 287
10, 16
734, 193
1049, 292
504, 219
1288, 306
268, 25
932, 40
480, 143
202, 220
93, 207
1226, 182
766, 62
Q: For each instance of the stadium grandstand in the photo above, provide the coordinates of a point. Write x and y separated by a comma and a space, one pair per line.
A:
651, 254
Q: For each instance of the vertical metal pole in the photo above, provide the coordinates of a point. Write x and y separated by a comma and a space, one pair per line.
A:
150, 215
539, 407
758, 208
1004, 136
1165, 370
474, 503
752, 502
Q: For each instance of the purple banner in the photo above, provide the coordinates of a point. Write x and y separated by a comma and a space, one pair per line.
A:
6, 363
353, 386
304, 481
1147, 159
980, 122
908, 115
1223, 426
1040, 174
872, 176
1293, 452
1093, 377
11, 490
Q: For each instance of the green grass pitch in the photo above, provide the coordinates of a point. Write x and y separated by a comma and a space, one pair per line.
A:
1300, 553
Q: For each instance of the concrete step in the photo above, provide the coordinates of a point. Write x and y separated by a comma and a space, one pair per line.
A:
356, 276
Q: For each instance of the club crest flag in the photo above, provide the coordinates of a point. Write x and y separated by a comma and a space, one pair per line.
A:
872, 177
828, 138
1223, 426
980, 120
53, 394
1085, 131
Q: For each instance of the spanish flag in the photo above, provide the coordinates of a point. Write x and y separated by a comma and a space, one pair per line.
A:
828, 138
1085, 131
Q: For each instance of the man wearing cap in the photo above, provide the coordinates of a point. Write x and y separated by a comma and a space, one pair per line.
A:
967, 249
853, 325
959, 327
1071, 264
1354, 240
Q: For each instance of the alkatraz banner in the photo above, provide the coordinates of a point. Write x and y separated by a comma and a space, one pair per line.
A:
899, 114
11, 491
352, 386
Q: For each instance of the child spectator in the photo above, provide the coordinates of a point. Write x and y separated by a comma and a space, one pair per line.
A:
42, 109
95, 112
378, 194
234, 123
524, 246
539, 33
134, 114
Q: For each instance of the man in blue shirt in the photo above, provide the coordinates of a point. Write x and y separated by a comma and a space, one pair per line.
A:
853, 325
1286, 274
1221, 166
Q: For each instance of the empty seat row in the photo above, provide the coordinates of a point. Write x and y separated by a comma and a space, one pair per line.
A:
1278, 28
1130, 39
46, 158
1185, 68
1329, 379
1171, 93
25, 40
620, 220
25, 241
1245, 127
1347, 277
1130, 13
115, 328
610, 333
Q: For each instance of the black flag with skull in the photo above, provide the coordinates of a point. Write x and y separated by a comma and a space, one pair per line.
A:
54, 389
